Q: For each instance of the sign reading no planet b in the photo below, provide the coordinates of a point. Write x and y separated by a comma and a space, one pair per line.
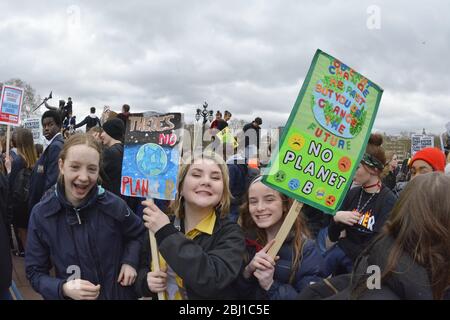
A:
326, 134
152, 155
10, 105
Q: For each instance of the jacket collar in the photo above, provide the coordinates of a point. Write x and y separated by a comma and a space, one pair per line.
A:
75, 215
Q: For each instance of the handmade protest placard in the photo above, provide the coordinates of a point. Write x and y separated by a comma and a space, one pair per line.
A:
34, 124
326, 134
419, 142
152, 155
10, 105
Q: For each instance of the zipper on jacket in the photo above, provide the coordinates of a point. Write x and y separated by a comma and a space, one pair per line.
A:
78, 215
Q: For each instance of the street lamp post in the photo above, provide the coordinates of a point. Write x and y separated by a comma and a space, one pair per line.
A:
206, 114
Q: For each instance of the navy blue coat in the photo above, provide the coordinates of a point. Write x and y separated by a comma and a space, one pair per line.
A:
5, 254
98, 237
308, 271
45, 172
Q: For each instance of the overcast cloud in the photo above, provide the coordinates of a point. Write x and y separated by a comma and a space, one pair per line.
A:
249, 57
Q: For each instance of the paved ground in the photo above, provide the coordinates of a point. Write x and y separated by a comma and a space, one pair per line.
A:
21, 281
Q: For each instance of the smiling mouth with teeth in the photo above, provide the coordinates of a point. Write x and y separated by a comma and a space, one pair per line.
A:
204, 192
80, 186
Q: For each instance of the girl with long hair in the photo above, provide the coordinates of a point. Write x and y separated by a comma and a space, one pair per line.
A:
299, 259
19, 171
413, 250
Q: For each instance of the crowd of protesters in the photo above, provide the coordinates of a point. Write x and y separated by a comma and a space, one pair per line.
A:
65, 206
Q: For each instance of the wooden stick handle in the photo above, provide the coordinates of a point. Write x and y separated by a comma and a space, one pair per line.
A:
285, 228
8, 139
155, 259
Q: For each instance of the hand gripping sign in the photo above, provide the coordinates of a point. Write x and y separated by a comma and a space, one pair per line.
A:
324, 138
151, 159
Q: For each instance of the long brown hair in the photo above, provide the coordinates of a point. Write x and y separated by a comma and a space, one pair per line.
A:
177, 206
299, 229
25, 146
420, 226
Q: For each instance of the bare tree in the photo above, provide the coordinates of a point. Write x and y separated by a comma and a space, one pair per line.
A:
30, 99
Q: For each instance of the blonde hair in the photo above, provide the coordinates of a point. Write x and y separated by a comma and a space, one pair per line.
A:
223, 207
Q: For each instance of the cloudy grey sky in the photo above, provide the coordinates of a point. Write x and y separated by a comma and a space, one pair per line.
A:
249, 57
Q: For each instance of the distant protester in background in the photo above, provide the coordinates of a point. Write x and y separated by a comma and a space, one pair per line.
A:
124, 114
252, 135
90, 121
391, 170
240, 175
69, 125
112, 137
216, 120
427, 160
45, 172
424, 161
223, 123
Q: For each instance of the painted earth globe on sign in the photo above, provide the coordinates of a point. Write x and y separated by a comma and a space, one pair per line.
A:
151, 159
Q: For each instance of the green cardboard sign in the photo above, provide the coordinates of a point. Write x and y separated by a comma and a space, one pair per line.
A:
326, 134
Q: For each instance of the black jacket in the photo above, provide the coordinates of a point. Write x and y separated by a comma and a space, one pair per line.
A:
5, 255
112, 168
208, 264
90, 122
375, 215
410, 281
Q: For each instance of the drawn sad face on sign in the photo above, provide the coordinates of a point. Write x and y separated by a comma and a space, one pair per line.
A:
296, 142
344, 164
329, 200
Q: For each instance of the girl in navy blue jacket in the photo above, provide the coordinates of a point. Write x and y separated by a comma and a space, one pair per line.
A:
89, 235
299, 260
